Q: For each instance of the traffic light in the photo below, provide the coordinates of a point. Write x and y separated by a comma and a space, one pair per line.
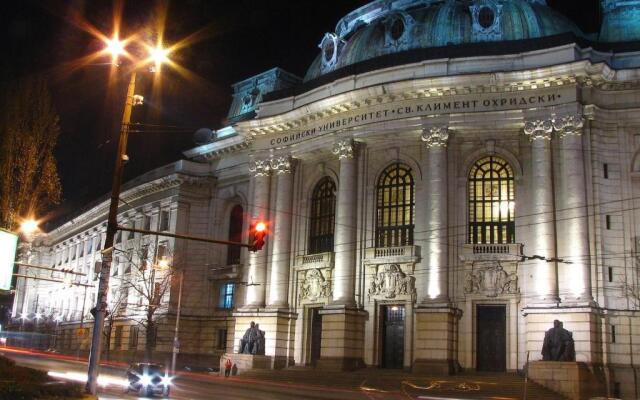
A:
258, 233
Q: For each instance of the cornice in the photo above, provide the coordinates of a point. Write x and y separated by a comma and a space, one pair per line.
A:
99, 213
582, 73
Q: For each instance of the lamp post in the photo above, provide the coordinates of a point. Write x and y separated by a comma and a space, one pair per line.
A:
115, 47
176, 342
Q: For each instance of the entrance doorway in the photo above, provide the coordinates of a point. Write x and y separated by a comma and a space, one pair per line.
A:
491, 349
316, 335
393, 336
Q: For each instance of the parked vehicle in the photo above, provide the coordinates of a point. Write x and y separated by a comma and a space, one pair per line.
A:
148, 379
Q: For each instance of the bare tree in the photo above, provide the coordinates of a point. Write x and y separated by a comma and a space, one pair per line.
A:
29, 131
116, 305
148, 274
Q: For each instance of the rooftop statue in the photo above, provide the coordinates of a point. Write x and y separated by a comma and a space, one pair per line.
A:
558, 344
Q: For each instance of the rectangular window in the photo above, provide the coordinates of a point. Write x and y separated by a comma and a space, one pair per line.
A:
146, 223
164, 221
82, 249
605, 170
133, 337
226, 295
608, 222
90, 246
144, 257
117, 342
222, 339
73, 253
610, 274
613, 333
131, 235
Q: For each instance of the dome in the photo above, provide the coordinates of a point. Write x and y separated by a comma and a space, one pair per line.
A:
386, 27
620, 21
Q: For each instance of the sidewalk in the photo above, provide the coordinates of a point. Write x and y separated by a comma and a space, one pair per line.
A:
379, 382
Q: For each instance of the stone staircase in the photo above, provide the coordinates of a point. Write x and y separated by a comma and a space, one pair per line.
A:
389, 384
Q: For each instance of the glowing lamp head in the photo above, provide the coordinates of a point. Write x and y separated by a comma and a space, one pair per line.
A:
261, 227
38, 316
115, 47
158, 56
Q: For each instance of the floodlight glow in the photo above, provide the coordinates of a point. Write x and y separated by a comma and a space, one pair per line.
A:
163, 263
166, 380
261, 227
29, 226
38, 316
145, 380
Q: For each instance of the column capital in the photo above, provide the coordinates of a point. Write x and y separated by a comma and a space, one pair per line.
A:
436, 136
568, 125
260, 167
345, 148
282, 164
539, 129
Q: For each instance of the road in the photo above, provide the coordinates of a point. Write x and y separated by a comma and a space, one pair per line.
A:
186, 386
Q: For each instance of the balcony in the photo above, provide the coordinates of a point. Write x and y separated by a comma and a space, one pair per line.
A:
491, 252
387, 255
320, 260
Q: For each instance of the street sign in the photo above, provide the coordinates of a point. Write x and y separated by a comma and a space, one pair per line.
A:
8, 246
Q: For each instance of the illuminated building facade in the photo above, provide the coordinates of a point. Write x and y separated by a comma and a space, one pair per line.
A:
447, 179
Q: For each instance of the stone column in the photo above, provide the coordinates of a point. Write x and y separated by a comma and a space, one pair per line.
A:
573, 232
345, 229
257, 268
545, 277
436, 251
342, 323
281, 233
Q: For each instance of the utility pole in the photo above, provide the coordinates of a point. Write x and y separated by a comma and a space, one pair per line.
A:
176, 342
107, 252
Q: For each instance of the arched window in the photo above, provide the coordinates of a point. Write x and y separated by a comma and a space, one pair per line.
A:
236, 219
322, 216
395, 207
491, 201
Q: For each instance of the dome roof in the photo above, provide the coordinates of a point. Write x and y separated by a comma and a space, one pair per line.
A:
386, 27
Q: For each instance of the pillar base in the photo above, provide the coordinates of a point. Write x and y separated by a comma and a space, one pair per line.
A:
436, 329
342, 338
279, 331
574, 380
583, 322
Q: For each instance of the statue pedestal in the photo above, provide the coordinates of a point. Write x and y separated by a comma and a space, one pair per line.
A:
575, 380
245, 362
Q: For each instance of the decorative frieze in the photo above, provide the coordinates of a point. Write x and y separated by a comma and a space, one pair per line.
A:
569, 125
491, 280
344, 149
540, 129
388, 281
315, 284
436, 136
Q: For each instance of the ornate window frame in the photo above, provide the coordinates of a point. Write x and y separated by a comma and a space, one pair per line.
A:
483, 32
330, 48
403, 41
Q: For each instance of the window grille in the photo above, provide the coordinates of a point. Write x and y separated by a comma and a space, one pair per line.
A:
322, 216
395, 204
491, 202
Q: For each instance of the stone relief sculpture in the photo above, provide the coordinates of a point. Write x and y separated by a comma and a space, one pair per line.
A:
313, 286
389, 281
253, 341
491, 281
558, 344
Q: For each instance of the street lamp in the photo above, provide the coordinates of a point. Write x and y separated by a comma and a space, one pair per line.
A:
29, 226
116, 48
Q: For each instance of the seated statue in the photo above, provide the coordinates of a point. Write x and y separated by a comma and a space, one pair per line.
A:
558, 344
248, 341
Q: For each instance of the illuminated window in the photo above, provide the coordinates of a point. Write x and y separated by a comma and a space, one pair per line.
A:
322, 216
395, 205
226, 295
236, 219
491, 202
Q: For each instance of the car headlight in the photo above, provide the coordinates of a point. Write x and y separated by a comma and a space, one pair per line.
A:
145, 380
166, 380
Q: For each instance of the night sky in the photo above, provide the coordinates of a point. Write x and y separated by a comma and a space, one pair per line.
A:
236, 39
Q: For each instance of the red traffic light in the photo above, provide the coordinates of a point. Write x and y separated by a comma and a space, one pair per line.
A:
257, 235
